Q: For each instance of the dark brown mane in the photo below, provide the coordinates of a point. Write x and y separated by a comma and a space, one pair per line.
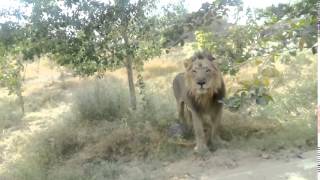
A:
202, 55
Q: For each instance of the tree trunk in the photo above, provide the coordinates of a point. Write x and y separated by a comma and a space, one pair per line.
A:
18, 88
21, 101
129, 59
133, 100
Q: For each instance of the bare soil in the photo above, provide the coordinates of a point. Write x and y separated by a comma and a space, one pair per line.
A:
232, 165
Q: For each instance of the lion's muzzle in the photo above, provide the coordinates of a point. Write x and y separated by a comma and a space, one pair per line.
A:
201, 83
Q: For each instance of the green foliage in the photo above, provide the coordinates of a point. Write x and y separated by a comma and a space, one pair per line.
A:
10, 74
230, 50
93, 35
285, 28
299, 99
12, 40
204, 40
291, 114
231, 44
291, 24
174, 16
177, 23
257, 89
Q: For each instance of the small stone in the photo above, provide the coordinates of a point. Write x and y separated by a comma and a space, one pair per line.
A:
265, 156
300, 156
177, 130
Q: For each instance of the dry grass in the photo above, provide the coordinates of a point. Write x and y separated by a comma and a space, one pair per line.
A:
159, 68
79, 140
10, 113
99, 135
104, 99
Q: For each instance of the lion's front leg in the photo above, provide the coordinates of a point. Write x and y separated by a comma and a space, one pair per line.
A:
180, 108
201, 146
215, 140
188, 117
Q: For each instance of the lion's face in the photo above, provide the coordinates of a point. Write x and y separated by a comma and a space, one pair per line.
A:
203, 76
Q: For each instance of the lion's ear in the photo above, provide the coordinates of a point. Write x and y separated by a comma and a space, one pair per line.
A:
211, 57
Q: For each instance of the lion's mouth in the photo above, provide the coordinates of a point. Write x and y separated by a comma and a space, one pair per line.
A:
202, 90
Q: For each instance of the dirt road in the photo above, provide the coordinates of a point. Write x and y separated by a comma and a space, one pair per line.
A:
231, 165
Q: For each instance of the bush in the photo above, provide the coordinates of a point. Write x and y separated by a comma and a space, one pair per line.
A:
10, 113
25, 169
292, 110
101, 99
156, 109
46, 150
97, 170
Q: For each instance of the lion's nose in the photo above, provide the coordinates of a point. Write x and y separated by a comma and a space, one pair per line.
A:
201, 83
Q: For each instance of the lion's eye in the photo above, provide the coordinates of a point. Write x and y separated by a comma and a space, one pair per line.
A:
208, 70
194, 71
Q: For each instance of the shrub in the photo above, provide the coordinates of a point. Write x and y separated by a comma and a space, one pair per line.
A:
46, 150
10, 113
156, 108
101, 99
97, 170
292, 109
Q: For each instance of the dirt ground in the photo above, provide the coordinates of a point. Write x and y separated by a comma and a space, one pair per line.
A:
243, 166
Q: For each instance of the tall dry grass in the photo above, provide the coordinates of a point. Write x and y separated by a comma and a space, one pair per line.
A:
100, 134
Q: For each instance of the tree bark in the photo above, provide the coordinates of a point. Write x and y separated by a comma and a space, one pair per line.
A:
133, 100
21, 101
18, 88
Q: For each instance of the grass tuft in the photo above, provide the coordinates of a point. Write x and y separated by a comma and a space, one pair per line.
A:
10, 113
101, 99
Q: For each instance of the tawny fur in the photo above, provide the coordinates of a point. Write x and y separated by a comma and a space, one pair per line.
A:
201, 105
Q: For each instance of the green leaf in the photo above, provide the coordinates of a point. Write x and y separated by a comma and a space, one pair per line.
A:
293, 52
301, 44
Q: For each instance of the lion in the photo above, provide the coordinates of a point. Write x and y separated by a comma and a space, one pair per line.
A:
199, 92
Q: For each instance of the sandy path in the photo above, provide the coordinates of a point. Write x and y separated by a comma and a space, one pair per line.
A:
243, 166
